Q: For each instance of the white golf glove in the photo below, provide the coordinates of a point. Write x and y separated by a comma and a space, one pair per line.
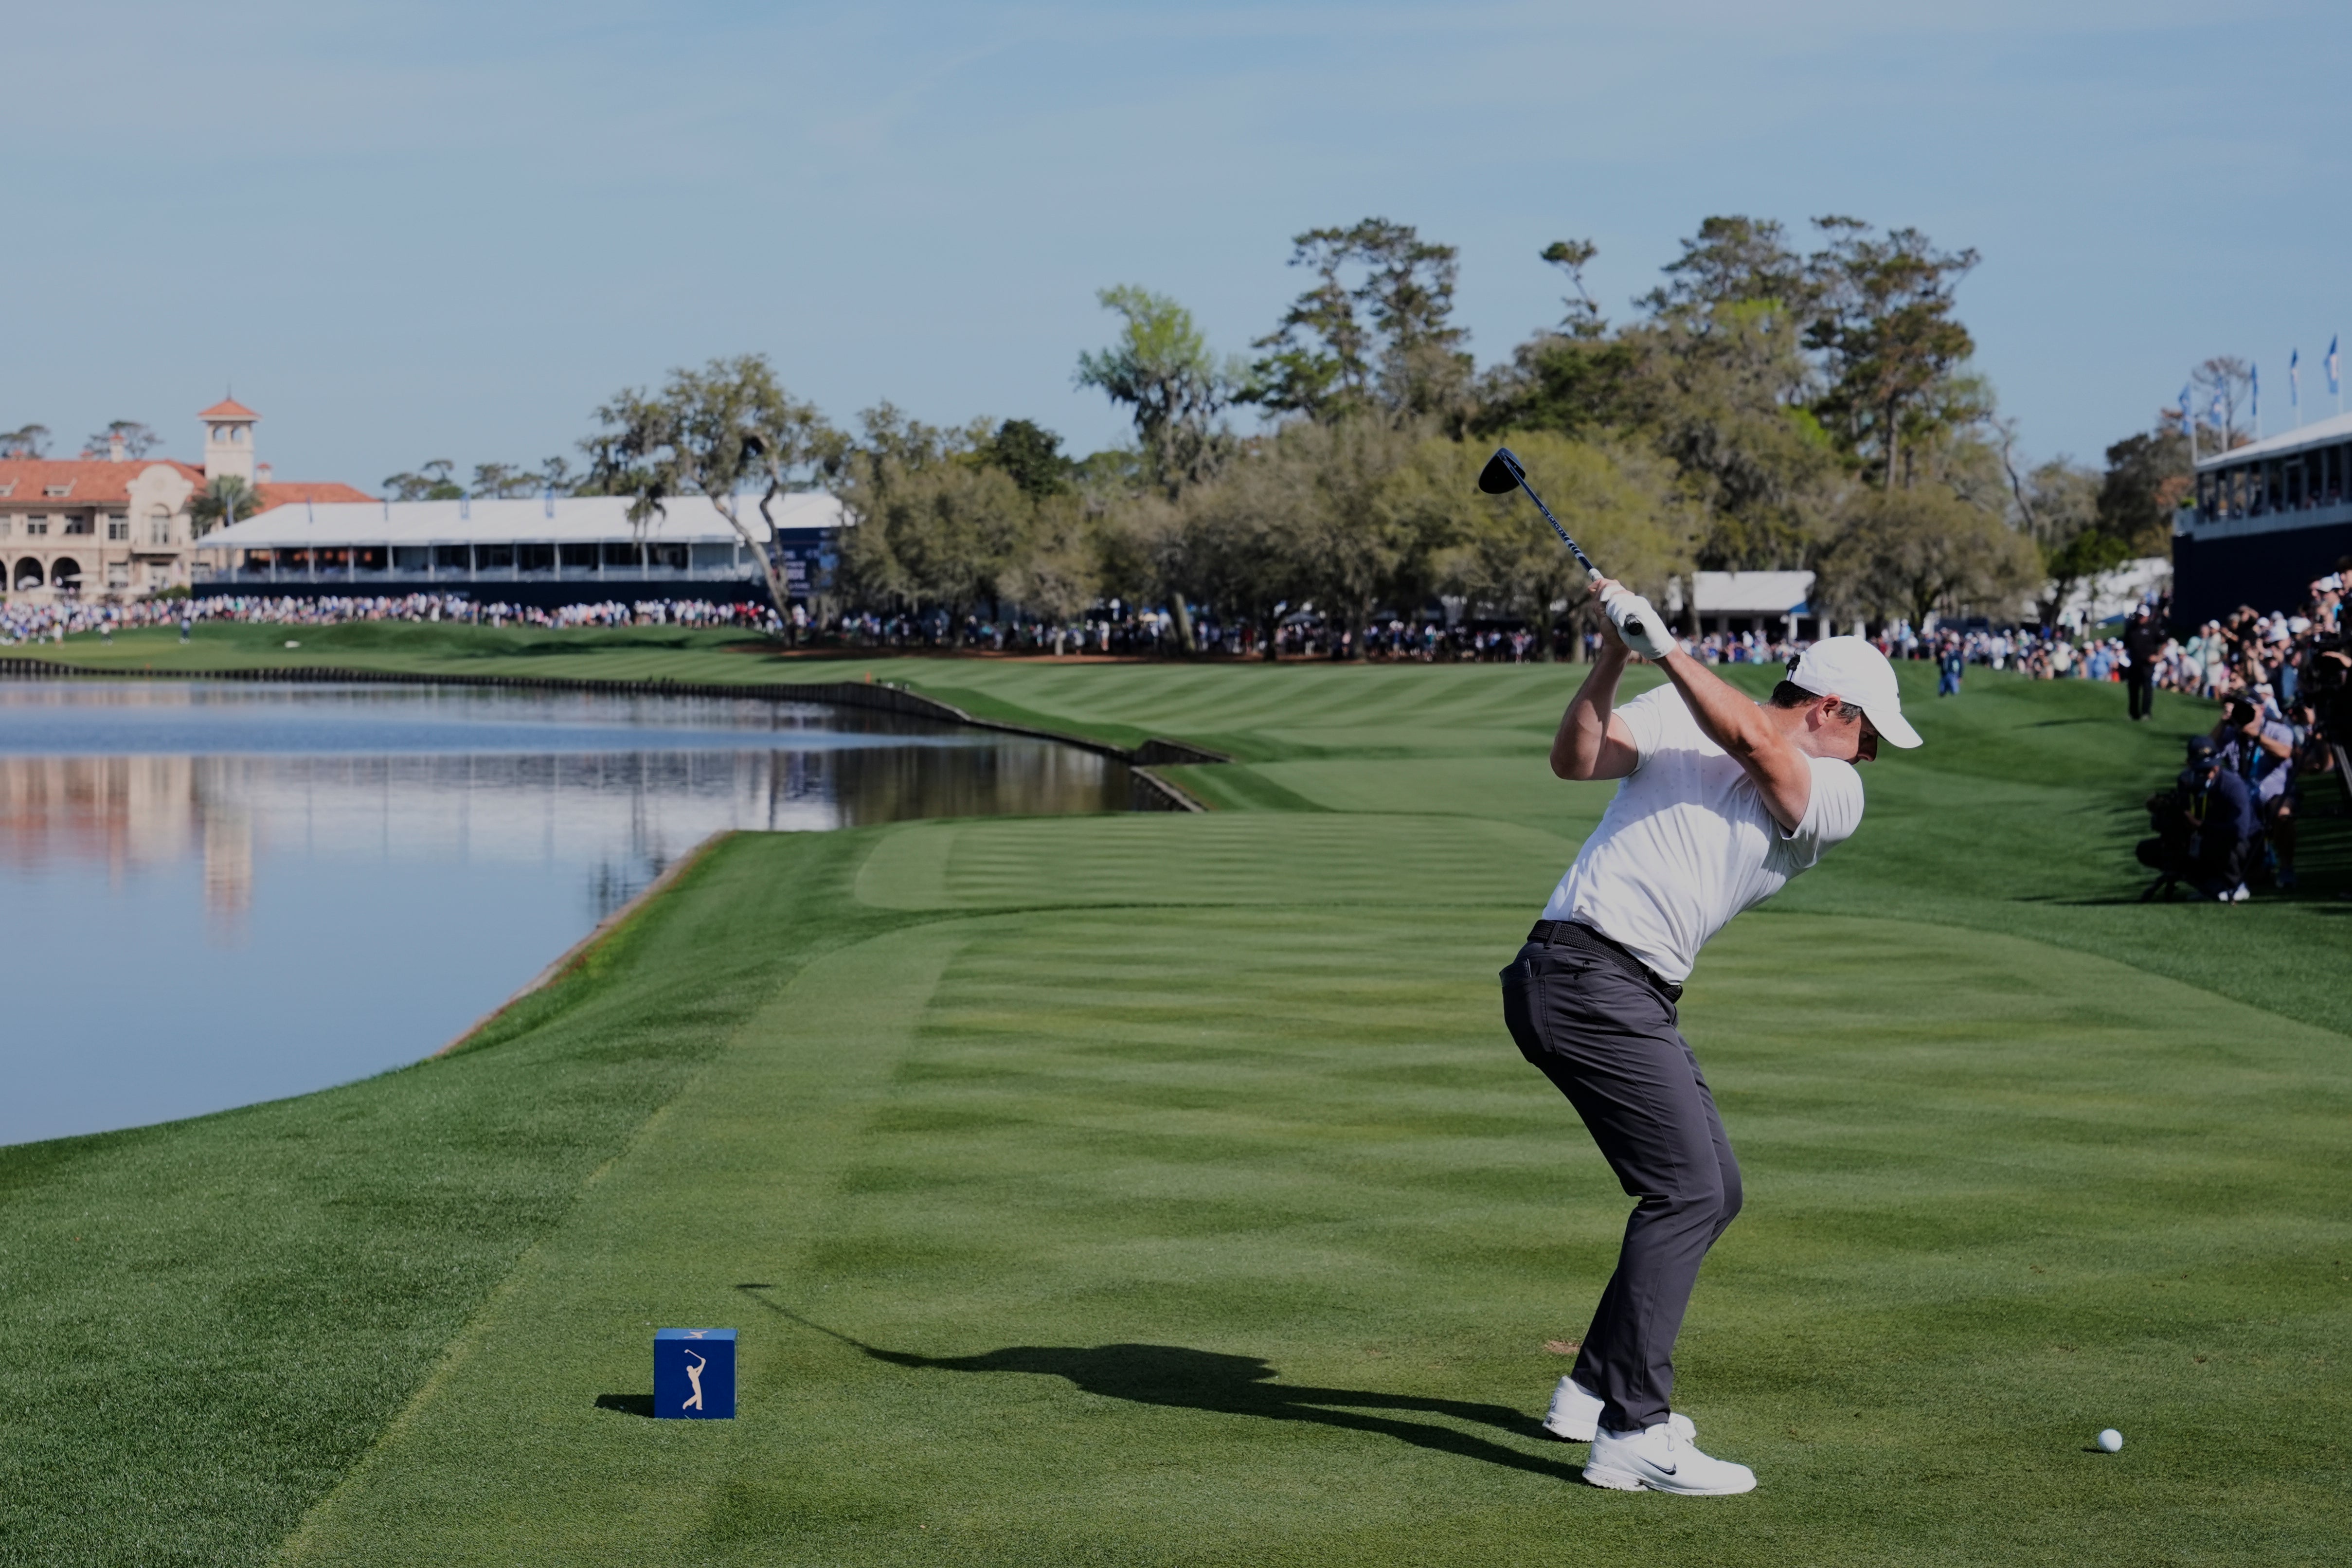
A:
1627, 609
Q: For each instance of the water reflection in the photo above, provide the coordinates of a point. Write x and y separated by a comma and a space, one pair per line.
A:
161, 717
261, 890
120, 811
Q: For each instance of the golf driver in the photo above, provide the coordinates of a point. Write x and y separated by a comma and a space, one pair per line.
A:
1504, 473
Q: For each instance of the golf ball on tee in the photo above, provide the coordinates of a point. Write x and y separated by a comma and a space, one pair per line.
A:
2111, 1439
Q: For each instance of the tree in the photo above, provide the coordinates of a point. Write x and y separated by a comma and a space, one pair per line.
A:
1715, 378
1353, 549
2086, 558
1726, 392
1387, 341
2055, 502
1913, 552
1161, 368
1424, 371
2086, 524
501, 483
1296, 517
1032, 456
2148, 475
1621, 504
1733, 260
2058, 509
2218, 388
1233, 543
224, 500
1575, 379
955, 529
938, 527
1884, 323
1060, 571
1582, 318
714, 431
1320, 362
868, 570
431, 481
25, 441
1724, 400
1578, 386
137, 439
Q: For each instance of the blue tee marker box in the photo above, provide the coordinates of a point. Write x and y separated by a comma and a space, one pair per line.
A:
694, 1374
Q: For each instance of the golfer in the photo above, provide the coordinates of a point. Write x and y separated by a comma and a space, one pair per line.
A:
1722, 800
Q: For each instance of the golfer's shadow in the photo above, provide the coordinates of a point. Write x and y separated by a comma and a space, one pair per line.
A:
1177, 1377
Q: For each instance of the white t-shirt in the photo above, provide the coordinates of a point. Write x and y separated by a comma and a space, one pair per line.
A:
1686, 842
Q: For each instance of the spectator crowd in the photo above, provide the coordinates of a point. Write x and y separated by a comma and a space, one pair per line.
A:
2229, 822
27, 622
2233, 817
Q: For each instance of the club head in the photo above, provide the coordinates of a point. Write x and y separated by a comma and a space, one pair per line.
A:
1501, 473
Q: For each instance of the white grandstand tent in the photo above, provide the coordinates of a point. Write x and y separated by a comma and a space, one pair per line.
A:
550, 550
1773, 603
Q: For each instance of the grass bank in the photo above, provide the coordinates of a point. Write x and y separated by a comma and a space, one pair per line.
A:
1165, 1190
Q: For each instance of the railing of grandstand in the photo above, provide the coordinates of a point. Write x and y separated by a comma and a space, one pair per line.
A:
2308, 480
449, 565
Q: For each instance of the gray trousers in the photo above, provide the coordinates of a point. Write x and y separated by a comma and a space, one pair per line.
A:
1602, 1029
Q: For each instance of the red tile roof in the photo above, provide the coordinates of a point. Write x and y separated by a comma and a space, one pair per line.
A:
228, 408
30, 479
99, 482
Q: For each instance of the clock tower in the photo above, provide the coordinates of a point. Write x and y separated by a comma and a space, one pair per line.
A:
228, 440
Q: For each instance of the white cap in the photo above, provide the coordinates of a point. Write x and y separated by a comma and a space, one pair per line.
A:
1851, 670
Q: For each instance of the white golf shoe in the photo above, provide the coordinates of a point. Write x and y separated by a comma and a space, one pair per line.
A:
1575, 1414
1662, 1460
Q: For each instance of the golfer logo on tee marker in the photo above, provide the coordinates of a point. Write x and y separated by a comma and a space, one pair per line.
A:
694, 1365
1720, 800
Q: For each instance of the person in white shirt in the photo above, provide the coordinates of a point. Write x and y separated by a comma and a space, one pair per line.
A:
1721, 800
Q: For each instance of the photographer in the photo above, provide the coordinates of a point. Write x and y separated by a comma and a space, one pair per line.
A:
2326, 681
2206, 826
2257, 744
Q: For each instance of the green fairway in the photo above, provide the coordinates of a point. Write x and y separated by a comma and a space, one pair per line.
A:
1165, 1189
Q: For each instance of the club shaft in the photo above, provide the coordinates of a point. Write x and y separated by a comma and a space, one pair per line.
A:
1573, 548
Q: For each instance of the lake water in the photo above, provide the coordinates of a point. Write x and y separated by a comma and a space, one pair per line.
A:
213, 894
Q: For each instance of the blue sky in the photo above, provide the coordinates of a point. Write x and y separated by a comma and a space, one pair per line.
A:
426, 230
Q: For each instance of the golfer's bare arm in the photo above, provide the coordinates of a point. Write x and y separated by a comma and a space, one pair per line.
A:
1593, 742
1730, 717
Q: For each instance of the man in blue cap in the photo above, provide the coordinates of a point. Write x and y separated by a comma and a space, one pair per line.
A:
2218, 806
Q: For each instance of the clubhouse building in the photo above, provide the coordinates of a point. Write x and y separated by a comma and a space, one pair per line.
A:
1769, 604
543, 552
2266, 518
117, 527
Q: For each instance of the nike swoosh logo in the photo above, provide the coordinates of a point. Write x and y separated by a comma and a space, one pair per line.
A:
1663, 1470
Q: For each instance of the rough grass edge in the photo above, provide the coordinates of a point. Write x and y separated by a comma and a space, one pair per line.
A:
578, 959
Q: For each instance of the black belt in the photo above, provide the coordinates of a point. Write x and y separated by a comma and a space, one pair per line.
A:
1549, 931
